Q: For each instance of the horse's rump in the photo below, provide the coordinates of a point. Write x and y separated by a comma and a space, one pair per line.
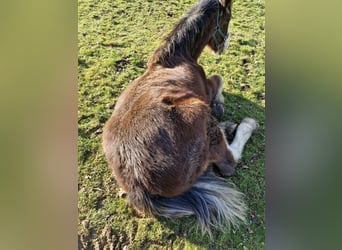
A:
161, 139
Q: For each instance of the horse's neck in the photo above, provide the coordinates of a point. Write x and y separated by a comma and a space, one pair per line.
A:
184, 43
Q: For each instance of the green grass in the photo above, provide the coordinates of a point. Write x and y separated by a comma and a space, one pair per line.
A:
115, 40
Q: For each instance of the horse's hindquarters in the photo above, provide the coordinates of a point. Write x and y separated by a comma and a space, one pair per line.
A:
163, 148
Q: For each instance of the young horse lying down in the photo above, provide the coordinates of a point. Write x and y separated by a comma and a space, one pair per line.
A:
164, 133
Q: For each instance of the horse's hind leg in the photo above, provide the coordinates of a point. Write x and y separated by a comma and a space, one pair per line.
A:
224, 155
229, 130
219, 153
243, 132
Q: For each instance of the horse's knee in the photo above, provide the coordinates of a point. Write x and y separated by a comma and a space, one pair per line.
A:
217, 79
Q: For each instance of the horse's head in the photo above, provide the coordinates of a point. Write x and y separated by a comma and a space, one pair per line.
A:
220, 38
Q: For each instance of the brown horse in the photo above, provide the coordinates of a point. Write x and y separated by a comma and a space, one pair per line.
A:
164, 131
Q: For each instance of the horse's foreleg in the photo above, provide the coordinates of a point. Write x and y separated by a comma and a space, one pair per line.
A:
217, 99
217, 85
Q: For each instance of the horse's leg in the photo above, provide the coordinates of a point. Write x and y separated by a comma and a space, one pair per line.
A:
219, 153
224, 155
229, 129
217, 100
243, 132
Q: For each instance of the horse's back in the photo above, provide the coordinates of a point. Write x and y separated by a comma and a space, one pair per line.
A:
157, 137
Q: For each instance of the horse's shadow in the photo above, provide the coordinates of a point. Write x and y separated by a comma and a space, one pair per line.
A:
237, 108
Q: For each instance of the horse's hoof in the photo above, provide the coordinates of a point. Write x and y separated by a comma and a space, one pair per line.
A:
218, 111
254, 125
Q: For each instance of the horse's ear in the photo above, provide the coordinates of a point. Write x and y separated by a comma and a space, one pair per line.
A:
225, 3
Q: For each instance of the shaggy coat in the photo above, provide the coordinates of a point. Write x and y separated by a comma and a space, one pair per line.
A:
162, 135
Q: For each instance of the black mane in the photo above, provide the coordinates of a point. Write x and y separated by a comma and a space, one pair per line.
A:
186, 33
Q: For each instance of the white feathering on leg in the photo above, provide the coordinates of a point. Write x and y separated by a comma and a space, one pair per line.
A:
243, 133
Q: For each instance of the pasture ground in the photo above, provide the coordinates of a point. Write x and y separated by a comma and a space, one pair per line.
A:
115, 40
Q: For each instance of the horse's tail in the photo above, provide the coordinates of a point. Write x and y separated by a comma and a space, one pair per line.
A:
214, 203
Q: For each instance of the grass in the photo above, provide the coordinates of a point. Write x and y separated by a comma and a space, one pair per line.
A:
115, 40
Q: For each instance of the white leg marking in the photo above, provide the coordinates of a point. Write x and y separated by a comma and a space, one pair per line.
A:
243, 133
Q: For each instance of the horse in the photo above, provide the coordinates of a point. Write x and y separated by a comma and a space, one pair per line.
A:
164, 136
